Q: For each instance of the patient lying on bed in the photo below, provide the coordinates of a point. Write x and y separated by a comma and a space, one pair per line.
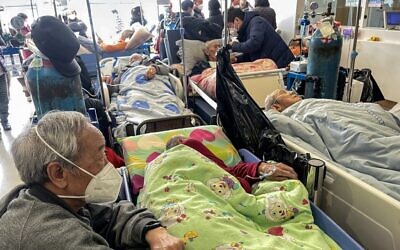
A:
248, 173
360, 136
209, 209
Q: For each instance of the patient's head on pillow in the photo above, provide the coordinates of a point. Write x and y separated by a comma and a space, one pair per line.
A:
211, 49
175, 141
281, 99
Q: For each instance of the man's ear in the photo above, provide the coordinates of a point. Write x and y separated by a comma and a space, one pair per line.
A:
277, 107
57, 174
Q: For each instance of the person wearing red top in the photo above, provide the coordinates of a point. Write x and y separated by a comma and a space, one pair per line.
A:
247, 173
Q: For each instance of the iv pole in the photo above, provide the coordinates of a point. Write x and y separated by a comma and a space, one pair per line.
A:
354, 53
96, 52
182, 32
55, 8
226, 33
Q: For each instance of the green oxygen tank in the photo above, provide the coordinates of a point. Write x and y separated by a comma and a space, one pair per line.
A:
324, 53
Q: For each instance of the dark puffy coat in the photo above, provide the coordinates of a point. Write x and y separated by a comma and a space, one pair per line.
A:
257, 39
217, 19
268, 13
201, 29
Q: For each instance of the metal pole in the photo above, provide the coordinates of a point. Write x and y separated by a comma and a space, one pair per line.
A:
55, 8
33, 13
141, 13
226, 33
96, 52
353, 52
182, 31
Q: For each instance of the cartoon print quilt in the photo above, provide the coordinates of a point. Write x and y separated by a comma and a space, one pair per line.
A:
142, 149
206, 206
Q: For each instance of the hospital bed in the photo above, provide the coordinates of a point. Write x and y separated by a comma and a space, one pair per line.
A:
138, 150
367, 214
134, 126
370, 216
90, 59
258, 84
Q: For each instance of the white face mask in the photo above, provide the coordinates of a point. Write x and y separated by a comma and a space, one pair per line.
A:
233, 32
103, 187
200, 7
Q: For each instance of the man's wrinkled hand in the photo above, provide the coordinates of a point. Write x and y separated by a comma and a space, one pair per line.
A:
159, 238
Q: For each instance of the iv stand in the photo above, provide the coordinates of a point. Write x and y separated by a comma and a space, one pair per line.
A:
354, 53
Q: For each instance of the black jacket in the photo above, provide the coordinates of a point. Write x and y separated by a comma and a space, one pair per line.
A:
200, 29
216, 18
268, 13
257, 39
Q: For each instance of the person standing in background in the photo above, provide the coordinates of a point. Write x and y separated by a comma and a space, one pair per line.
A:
4, 95
198, 8
76, 24
264, 10
25, 53
136, 16
215, 13
245, 6
235, 4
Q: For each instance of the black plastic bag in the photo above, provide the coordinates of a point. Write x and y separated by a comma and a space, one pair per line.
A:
371, 91
246, 124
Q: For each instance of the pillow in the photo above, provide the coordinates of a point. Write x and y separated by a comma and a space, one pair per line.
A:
140, 150
194, 52
140, 36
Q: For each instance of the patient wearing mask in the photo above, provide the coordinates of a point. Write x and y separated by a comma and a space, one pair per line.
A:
65, 171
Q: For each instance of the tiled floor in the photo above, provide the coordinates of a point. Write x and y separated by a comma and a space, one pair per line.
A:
20, 111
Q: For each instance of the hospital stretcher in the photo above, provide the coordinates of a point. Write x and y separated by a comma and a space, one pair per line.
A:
370, 216
258, 84
90, 59
157, 123
321, 219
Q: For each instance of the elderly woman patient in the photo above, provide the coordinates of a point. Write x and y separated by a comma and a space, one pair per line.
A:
64, 169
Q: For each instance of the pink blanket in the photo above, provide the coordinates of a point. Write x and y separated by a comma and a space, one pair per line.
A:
207, 79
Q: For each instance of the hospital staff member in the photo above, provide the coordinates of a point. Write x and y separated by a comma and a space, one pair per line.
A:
257, 38
64, 168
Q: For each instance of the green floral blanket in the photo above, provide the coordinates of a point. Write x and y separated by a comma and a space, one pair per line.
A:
206, 206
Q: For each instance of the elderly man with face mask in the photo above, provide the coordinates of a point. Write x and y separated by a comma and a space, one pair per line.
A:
64, 168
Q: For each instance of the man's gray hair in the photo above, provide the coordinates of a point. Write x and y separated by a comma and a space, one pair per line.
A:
61, 130
271, 99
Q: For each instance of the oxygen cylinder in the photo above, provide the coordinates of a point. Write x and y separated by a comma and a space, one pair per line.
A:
324, 52
52, 91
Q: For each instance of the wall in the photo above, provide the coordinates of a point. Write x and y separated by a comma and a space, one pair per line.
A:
381, 57
287, 14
